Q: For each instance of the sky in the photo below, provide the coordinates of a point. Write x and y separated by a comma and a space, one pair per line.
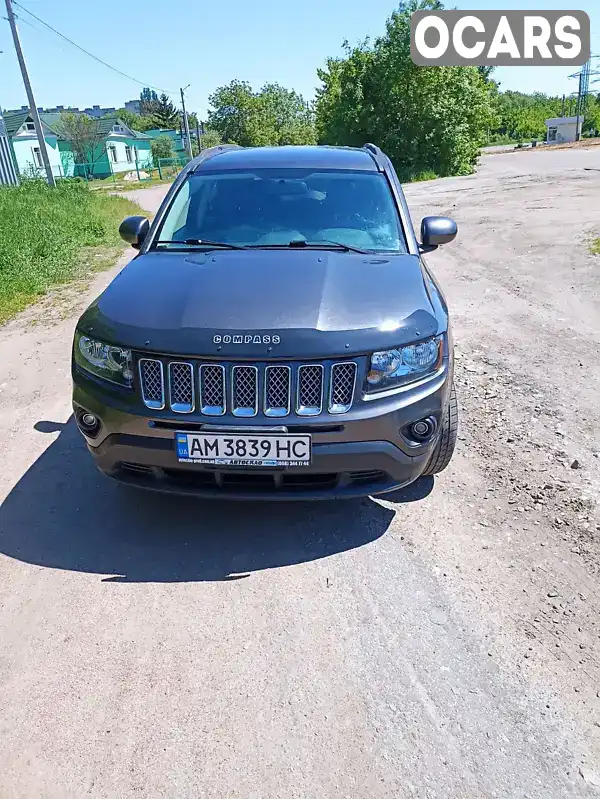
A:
207, 44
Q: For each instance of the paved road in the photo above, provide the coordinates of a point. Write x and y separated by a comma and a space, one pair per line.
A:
439, 644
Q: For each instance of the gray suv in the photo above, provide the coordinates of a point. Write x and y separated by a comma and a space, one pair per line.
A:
277, 336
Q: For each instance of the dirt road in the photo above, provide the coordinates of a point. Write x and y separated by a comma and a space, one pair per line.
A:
444, 643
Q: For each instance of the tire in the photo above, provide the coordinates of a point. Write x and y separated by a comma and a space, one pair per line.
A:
444, 449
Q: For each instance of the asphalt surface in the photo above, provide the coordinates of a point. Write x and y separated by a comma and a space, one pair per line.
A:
441, 643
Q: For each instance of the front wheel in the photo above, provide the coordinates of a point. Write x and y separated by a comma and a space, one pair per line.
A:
444, 449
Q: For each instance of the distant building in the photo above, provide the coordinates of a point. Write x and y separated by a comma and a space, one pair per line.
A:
561, 130
57, 110
133, 106
95, 111
120, 150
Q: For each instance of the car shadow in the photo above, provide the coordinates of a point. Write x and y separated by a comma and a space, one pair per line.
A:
63, 514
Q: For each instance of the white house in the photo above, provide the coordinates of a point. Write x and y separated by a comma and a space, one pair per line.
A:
563, 129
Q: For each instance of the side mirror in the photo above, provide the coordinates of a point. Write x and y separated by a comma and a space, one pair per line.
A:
437, 230
134, 230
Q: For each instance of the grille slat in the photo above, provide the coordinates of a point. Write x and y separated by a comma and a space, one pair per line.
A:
244, 380
153, 383
341, 389
310, 390
181, 387
212, 389
277, 390
244, 390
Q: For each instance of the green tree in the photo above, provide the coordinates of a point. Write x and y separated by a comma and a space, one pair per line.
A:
135, 121
83, 134
165, 115
522, 116
210, 138
232, 107
591, 122
162, 147
426, 118
272, 116
148, 102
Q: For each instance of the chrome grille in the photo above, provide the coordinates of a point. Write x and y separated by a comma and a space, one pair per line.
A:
310, 390
153, 384
341, 387
212, 389
244, 391
181, 387
277, 390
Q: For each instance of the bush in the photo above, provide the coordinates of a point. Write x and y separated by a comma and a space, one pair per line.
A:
43, 232
162, 147
427, 119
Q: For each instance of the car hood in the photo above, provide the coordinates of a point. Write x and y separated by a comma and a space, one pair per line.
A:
291, 303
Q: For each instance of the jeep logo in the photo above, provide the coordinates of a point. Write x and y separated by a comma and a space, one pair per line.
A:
246, 338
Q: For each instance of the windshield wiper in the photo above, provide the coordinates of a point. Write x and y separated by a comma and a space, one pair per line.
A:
321, 244
203, 243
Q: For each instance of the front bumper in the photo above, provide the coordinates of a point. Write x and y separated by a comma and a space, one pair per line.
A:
361, 453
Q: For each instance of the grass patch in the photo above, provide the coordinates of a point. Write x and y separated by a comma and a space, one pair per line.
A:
427, 174
129, 185
500, 141
51, 236
595, 247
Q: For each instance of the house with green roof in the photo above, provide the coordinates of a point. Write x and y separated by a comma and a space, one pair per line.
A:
122, 149
25, 146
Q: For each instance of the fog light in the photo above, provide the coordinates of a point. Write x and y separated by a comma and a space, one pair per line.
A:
88, 423
423, 429
419, 428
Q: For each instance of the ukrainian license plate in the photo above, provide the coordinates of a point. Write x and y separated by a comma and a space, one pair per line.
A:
243, 449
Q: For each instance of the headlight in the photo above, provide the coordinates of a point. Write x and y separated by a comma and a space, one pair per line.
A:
393, 368
110, 363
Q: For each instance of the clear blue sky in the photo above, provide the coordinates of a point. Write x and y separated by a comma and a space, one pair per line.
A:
206, 44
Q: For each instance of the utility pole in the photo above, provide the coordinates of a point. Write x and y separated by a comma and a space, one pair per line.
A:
185, 121
32, 106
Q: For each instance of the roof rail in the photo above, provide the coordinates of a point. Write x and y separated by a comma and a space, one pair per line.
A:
210, 152
377, 155
372, 148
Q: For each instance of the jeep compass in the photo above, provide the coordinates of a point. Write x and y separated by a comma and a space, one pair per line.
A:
278, 334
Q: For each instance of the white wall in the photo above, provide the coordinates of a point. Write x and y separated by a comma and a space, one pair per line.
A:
564, 133
122, 164
23, 144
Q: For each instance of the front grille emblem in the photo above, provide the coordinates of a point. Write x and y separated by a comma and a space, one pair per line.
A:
246, 338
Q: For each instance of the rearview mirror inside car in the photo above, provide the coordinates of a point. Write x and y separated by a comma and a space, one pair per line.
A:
134, 230
437, 230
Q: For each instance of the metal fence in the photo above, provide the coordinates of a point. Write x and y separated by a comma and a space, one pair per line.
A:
169, 168
8, 173
101, 172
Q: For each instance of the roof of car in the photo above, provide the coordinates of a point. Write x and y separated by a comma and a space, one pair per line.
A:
288, 157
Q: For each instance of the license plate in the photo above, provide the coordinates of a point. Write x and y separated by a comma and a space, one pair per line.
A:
243, 449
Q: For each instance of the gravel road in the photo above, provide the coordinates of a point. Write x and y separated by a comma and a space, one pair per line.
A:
443, 643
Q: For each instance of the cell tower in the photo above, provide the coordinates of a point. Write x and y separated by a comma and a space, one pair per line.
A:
584, 88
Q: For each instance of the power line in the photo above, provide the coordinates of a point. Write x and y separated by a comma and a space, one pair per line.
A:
39, 131
91, 55
27, 22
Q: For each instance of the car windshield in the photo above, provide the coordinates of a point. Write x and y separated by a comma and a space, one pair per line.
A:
270, 208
